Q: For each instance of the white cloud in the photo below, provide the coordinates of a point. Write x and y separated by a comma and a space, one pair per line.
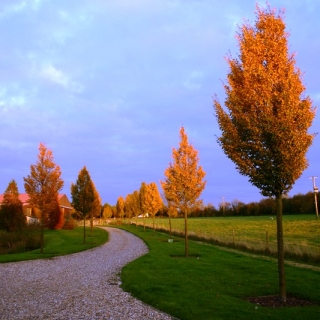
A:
57, 76
10, 100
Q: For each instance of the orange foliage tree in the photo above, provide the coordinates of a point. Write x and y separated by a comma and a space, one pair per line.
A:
265, 130
120, 208
43, 185
152, 200
184, 180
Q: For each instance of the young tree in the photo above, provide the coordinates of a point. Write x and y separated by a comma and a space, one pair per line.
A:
128, 206
265, 130
107, 212
136, 203
43, 185
184, 180
142, 196
83, 196
96, 208
152, 200
120, 208
11, 213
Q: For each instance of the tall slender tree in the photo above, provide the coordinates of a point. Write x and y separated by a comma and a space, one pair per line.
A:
96, 208
128, 206
153, 202
120, 208
265, 129
11, 212
43, 185
83, 196
184, 182
142, 195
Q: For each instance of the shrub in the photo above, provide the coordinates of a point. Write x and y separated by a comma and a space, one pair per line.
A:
20, 241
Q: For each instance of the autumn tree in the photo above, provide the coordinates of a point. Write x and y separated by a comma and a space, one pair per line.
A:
136, 206
96, 208
120, 208
43, 185
83, 196
107, 211
142, 198
184, 182
265, 127
128, 206
152, 200
11, 213
55, 219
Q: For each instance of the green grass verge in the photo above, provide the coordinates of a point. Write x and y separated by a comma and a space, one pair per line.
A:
215, 285
61, 242
301, 233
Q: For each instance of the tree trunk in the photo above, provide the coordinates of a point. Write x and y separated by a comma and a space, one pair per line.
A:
154, 231
282, 281
170, 226
186, 231
91, 224
84, 229
41, 235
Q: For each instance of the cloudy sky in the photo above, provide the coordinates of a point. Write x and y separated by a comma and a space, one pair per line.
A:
108, 84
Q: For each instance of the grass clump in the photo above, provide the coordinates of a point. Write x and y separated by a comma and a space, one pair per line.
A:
58, 243
213, 283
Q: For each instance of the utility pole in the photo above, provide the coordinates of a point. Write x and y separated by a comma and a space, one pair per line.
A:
223, 205
315, 190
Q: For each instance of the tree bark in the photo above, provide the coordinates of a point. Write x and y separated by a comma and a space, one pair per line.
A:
282, 280
84, 229
42, 235
186, 232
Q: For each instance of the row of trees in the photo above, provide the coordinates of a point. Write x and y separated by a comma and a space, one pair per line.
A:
298, 204
264, 124
42, 186
140, 203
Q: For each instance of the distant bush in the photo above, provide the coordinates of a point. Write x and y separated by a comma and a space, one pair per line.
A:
69, 224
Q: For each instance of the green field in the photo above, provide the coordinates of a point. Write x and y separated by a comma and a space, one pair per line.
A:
61, 242
214, 285
301, 232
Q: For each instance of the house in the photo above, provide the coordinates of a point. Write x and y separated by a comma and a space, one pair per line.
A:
146, 215
32, 214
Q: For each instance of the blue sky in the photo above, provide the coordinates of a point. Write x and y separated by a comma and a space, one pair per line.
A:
108, 84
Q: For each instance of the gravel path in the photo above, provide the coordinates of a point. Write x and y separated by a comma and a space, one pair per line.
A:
84, 285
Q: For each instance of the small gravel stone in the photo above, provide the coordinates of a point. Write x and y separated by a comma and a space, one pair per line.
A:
83, 285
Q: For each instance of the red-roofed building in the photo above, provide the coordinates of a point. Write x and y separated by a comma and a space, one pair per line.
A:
32, 213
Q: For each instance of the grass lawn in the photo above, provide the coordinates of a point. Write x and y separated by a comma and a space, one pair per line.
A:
214, 285
61, 242
301, 232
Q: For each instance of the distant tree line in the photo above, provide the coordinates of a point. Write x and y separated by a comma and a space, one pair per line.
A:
298, 204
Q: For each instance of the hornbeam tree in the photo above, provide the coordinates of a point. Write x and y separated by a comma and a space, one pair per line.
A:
142, 196
184, 183
43, 185
120, 208
153, 201
83, 196
265, 127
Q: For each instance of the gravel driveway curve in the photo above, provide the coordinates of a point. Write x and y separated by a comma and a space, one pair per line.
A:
83, 285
